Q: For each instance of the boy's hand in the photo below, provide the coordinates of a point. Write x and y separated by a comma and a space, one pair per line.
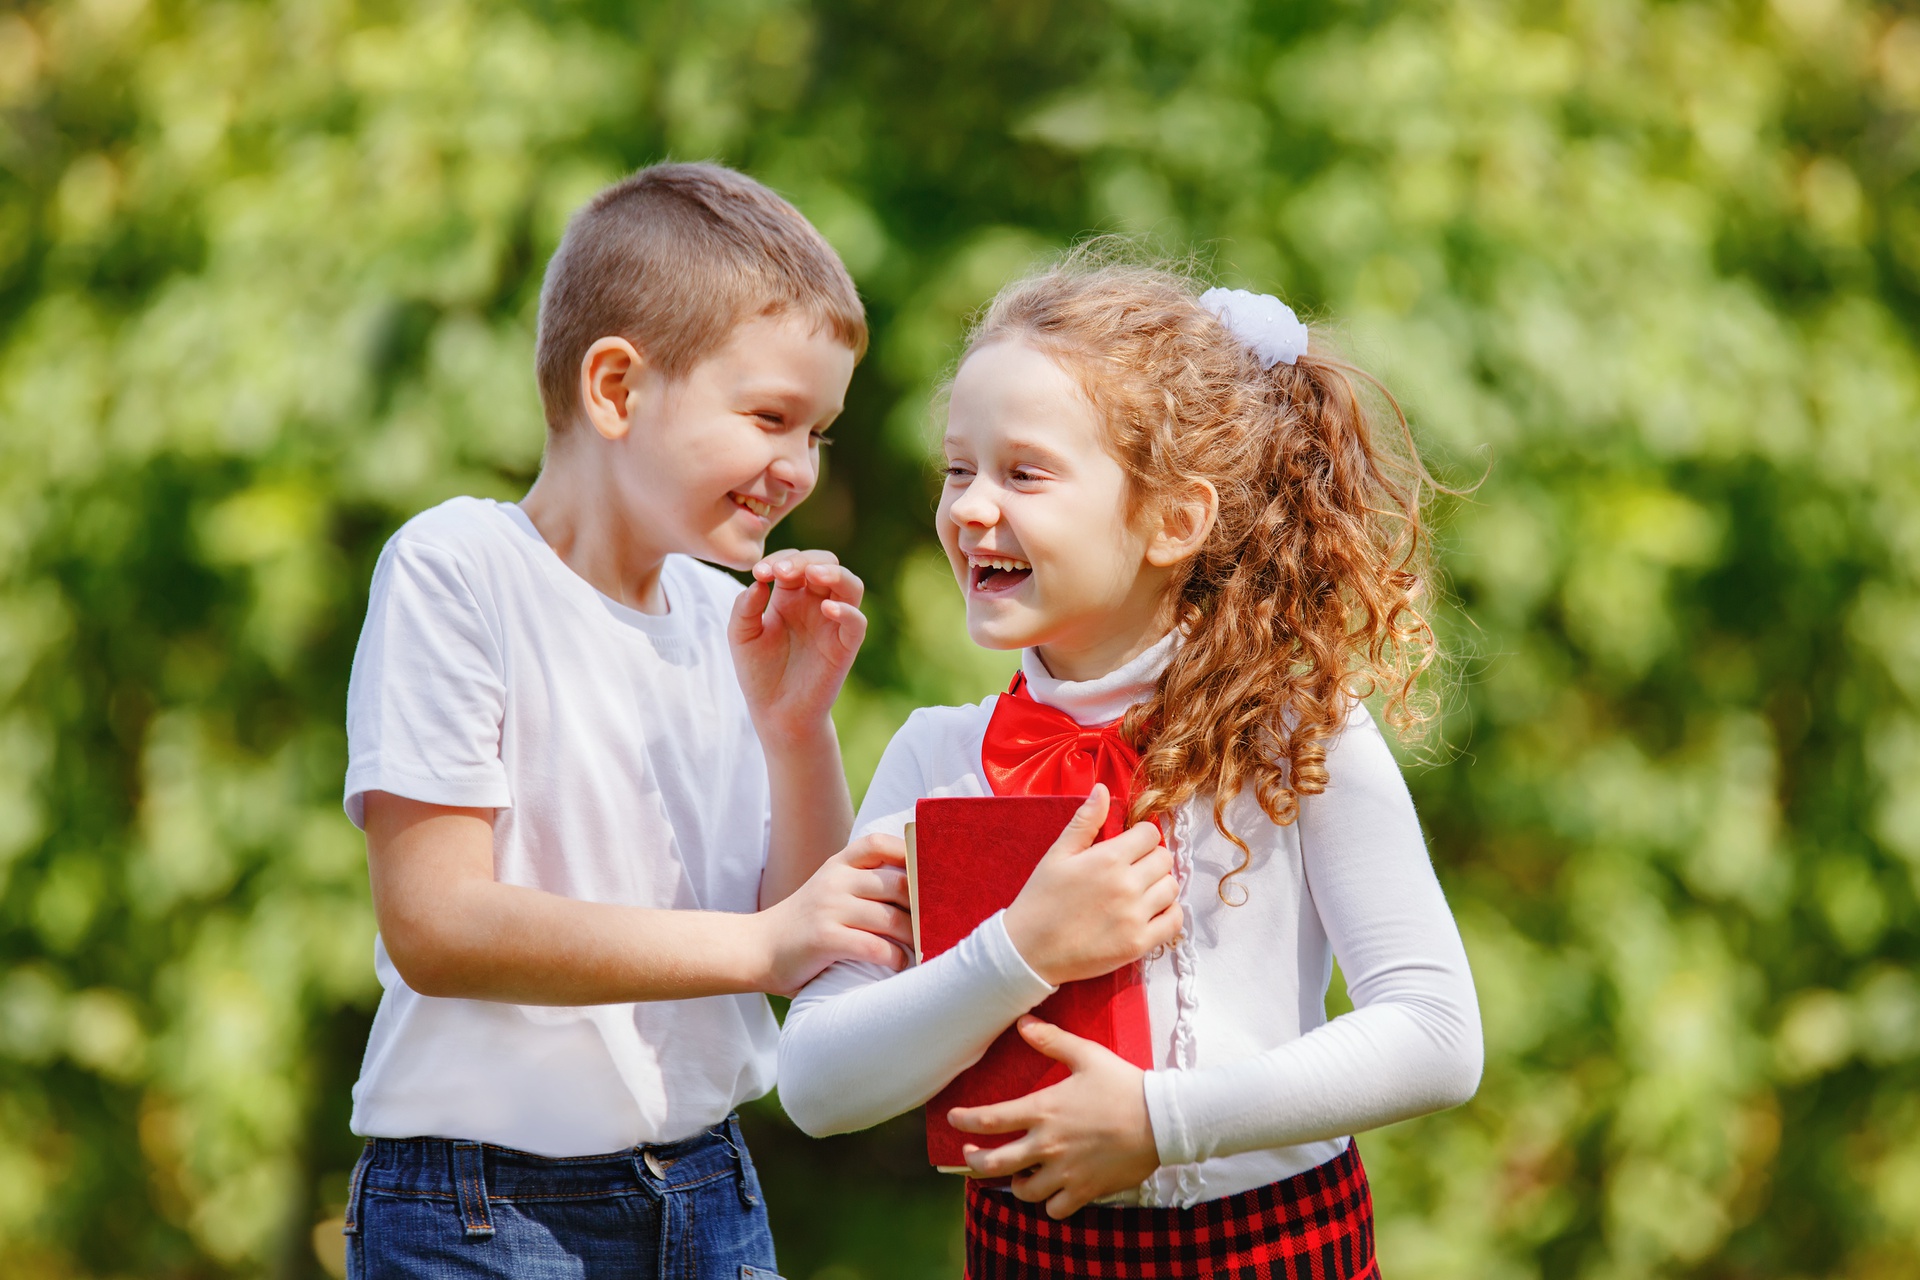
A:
853, 908
1089, 908
794, 633
1086, 1137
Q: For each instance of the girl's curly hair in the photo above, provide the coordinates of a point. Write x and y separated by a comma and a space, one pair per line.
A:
1307, 594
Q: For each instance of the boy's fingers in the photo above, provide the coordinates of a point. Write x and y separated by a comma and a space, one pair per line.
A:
884, 884
851, 622
877, 851
882, 920
749, 612
790, 567
1083, 828
835, 582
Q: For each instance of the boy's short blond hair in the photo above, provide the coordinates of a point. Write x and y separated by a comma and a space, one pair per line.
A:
671, 259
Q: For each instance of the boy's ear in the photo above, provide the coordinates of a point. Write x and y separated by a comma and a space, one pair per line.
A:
609, 377
1185, 522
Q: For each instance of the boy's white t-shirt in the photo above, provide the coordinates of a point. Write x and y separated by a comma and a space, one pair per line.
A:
616, 751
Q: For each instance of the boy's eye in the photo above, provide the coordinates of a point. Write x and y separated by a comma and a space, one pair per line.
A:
821, 437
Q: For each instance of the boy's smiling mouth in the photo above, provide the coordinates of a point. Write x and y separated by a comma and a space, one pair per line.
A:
764, 510
990, 575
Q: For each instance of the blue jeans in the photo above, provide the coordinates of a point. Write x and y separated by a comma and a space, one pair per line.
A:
436, 1209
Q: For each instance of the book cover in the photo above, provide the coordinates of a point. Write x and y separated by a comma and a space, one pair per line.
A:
968, 857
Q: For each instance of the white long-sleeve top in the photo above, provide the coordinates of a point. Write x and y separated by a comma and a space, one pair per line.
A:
1253, 1084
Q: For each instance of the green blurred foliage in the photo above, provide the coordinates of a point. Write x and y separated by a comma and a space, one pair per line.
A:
267, 284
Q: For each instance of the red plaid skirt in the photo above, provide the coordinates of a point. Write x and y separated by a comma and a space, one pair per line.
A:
1317, 1225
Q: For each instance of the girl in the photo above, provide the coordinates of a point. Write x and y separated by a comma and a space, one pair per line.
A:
1183, 519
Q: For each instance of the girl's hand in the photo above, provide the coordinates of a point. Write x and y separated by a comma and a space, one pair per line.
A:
1089, 908
794, 633
1086, 1137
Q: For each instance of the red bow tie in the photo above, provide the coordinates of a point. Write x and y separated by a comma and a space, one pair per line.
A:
1032, 749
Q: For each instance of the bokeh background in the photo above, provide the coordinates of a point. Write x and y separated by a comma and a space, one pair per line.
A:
268, 275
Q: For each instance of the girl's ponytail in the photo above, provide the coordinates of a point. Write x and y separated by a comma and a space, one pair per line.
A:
1306, 596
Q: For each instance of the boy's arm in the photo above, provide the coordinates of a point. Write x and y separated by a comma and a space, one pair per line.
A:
452, 930
794, 634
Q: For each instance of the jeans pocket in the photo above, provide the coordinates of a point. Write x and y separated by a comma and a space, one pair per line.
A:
757, 1273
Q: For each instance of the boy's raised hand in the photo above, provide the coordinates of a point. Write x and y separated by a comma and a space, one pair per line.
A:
1089, 908
794, 634
1083, 1138
853, 908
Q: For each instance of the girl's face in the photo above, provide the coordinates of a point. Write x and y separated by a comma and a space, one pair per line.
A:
1034, 519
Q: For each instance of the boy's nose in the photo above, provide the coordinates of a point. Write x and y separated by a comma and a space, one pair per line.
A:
794, 469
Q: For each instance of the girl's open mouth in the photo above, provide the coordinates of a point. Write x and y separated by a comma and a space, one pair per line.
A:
993, 574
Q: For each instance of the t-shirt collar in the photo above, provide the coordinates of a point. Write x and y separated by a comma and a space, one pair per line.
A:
1104, 698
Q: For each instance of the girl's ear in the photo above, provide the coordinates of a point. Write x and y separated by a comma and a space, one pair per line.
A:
1185, 522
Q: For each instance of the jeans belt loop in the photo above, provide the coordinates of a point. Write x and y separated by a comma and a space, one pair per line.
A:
738, 1142
351, 1227
470, 1179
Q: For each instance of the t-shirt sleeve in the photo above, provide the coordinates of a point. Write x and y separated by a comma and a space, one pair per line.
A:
428, 689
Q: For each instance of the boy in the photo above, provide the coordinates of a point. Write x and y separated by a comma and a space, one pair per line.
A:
594, 834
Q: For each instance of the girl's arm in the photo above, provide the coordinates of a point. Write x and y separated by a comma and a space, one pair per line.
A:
1412, 1044
855, 1050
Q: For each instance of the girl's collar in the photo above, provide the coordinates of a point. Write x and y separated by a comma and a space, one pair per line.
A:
1105, 698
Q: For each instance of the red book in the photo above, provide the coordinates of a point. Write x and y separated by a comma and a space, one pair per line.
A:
968, 857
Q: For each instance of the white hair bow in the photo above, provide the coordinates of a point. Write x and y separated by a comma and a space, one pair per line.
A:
1260, 320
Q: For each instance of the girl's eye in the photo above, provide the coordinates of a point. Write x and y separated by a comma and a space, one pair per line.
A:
1022, 474
770, 418
821, 437
956, 472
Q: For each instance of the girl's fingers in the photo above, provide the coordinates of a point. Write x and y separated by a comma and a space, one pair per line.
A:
1157, 865
1064, 1204
1040, 1184
1000, 1162
1058, 1044
1141, 840
1161, 894
1084, 827
1164, 929
1001, 1117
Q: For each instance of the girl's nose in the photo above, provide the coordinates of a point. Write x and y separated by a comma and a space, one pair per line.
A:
975, 505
